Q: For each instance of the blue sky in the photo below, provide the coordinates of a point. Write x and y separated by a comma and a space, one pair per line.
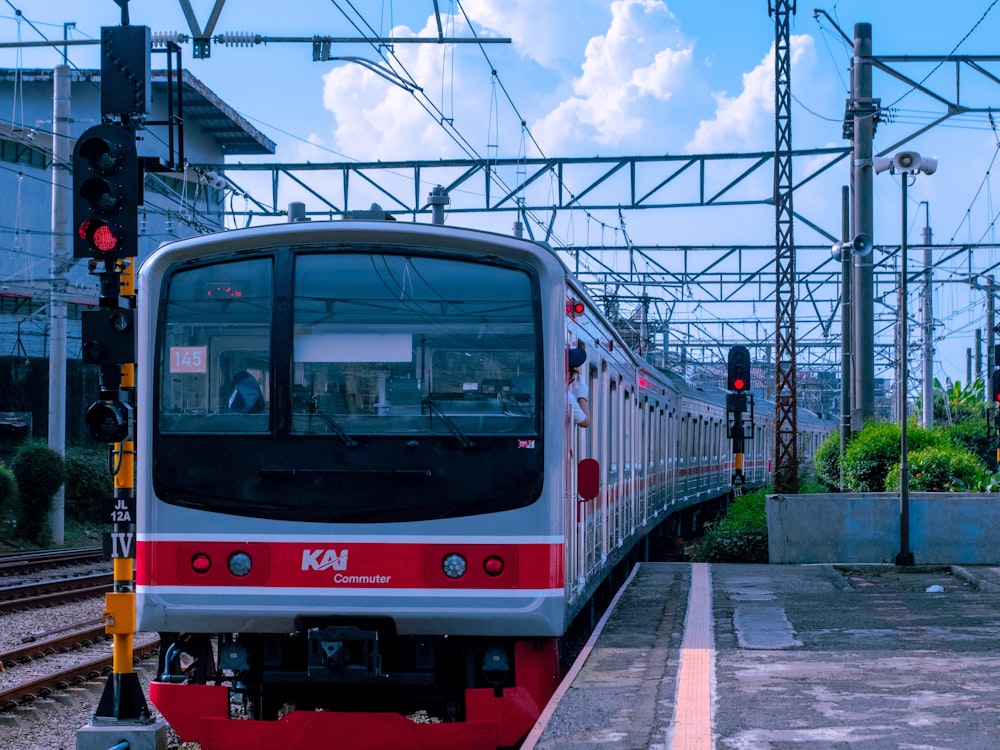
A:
596, 77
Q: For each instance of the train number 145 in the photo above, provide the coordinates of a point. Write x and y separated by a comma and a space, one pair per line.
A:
188, 359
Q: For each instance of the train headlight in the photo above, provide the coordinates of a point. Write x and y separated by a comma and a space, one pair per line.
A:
454, 565
493, 565
201, 563
240, 564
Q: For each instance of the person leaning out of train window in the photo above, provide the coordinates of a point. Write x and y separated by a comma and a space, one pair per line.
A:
577, 389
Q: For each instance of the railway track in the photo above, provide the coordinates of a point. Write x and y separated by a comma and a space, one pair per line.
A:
22, 596
54, 652
27, 691
71, 637
31, 561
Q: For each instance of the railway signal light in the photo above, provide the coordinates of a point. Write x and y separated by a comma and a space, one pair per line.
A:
108, 336
110, 421
106, 184
739, 369
125, 70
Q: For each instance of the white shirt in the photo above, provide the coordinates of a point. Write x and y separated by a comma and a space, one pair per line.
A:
578, 388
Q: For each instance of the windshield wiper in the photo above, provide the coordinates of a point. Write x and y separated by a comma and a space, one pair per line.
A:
433, 408
336, 428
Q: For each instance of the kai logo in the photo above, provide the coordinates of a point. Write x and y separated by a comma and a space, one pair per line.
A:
324, 559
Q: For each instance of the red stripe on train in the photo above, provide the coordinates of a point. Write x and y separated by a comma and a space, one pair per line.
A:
347, 565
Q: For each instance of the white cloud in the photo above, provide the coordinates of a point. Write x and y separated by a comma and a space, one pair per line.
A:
538, 28
379, 120
628, 74
745, 122
636, 90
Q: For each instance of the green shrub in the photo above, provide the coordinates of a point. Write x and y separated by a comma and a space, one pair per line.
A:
826, 459
88, 479
7, 490
38, 471
935, 469
974, 435
873, 452
740, 536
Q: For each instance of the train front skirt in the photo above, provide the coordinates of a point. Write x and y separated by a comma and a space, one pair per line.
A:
493, 718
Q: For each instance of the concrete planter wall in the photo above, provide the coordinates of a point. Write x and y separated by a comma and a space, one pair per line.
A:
945, 528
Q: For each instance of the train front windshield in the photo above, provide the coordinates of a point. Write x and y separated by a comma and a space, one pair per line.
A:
347, 386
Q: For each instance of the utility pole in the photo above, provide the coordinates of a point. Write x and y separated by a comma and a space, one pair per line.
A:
928, 323
58, 265
978, 358
990, 339
863, 111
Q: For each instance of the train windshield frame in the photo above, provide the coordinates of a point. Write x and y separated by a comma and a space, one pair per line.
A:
349, 383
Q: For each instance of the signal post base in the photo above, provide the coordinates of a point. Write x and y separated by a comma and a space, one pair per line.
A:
102, 734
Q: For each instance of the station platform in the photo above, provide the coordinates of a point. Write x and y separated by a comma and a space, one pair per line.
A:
756, 657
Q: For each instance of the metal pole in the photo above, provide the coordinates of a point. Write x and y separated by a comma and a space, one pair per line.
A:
865, 109
846, 257
990, 338
905, 556
928, 323
58, 265
979, 358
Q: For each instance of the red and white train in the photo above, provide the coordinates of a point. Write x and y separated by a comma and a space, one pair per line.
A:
359, 490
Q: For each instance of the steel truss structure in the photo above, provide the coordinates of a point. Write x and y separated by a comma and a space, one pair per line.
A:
662, 293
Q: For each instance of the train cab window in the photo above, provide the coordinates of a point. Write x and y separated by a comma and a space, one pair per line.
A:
350, 384
403, 344
215, 369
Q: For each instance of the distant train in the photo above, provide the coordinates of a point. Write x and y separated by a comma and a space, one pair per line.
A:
360, 492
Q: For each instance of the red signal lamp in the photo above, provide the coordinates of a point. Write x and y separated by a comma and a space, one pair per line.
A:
739, 369
574, 307
100, 235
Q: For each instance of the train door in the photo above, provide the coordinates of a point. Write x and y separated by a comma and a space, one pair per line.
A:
647, 471
587, 445
659, 456
594, 511
696, 455
673, 452
632, 442
683, 455
718, 451
614, 449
